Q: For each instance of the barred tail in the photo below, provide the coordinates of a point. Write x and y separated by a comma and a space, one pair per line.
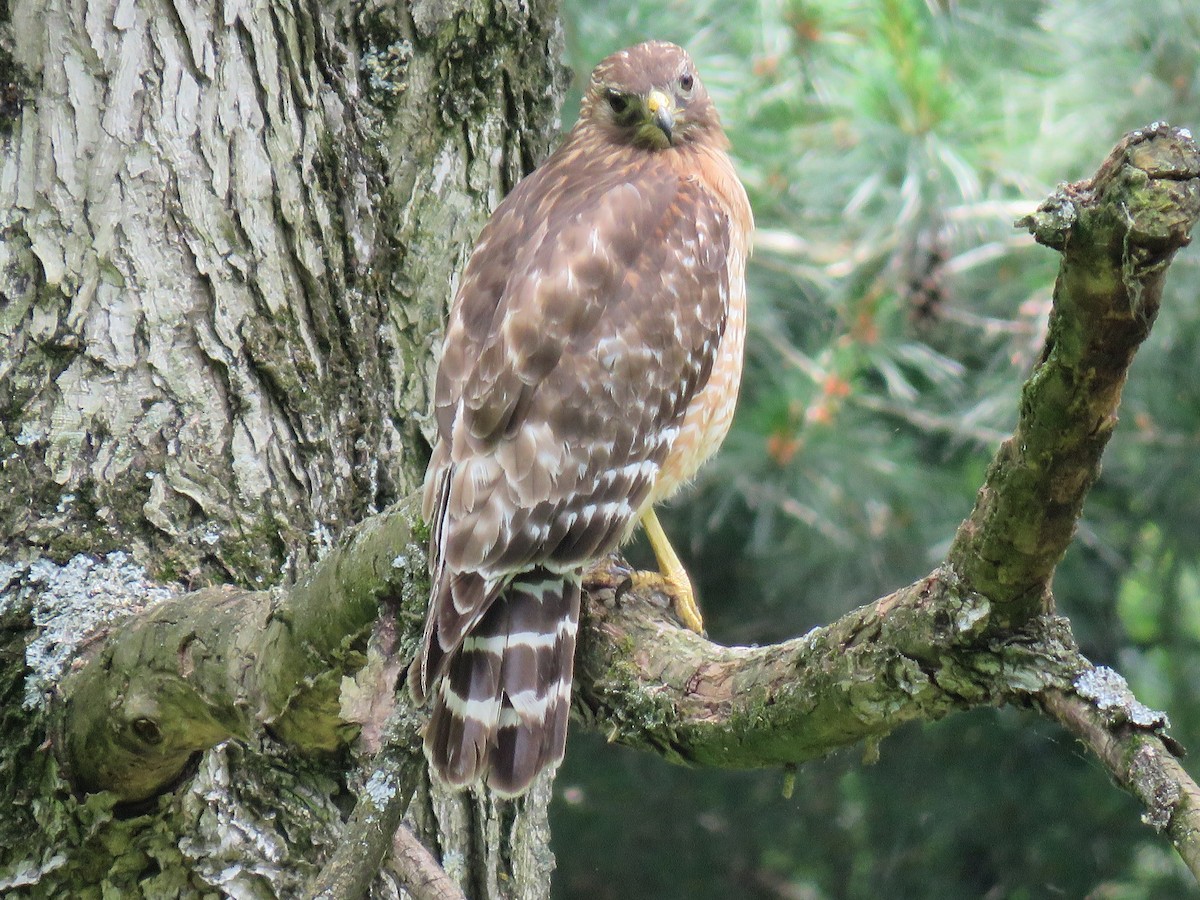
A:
501, 701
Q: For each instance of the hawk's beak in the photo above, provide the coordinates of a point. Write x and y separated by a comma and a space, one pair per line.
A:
662, 112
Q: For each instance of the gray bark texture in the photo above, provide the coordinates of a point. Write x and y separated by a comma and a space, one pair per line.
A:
228, 233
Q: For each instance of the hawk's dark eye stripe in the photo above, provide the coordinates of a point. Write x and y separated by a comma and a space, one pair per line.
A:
617, 101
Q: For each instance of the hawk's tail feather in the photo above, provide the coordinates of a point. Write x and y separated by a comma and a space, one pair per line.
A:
463, 591
500, 706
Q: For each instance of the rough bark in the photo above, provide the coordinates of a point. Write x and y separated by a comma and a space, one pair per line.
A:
196, 370
227, 238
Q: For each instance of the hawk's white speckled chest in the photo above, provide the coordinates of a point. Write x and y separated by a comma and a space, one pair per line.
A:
710, 412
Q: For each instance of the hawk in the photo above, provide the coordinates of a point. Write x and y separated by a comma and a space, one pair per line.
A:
591, 365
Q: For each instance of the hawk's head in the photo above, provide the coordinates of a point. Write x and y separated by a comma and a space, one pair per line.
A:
650, 96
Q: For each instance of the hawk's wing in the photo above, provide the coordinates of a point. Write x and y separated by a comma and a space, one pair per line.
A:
588, 317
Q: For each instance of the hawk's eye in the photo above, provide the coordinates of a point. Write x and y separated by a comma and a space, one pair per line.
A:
685, 82
617, 101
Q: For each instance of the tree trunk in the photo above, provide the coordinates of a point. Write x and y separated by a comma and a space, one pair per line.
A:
229, 234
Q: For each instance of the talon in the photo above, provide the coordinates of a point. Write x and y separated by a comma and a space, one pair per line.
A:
625, 586
608, 573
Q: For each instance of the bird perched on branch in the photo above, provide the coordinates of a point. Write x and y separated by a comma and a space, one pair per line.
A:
591, 365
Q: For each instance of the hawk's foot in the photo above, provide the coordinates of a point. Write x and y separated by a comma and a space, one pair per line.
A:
674, 578
679, 589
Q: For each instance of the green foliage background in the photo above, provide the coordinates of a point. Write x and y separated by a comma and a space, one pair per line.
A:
887, 146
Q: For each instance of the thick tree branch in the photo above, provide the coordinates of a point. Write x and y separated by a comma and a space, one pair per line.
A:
948, 640
978, 629
1117, 233
220, 663
916, 654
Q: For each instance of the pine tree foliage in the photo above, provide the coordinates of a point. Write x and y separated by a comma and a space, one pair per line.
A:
888, 145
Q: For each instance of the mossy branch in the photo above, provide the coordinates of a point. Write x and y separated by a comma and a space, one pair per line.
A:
1117, 232
220, 663
917, 654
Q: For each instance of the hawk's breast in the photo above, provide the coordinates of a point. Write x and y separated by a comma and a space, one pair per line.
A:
710, 412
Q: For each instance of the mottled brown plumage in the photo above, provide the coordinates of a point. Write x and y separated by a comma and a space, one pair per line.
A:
591, 364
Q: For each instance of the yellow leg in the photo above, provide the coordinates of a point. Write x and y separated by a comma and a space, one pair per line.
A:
674, 577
